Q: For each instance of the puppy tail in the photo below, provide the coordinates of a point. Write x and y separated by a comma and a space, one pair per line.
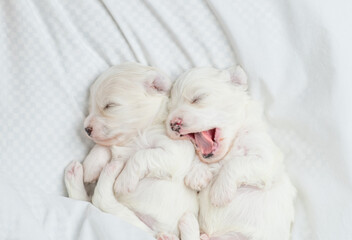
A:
104, 199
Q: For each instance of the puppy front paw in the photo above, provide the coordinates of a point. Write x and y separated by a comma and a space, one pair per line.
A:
125, 183
204, 236
198, 179
221, 195
74, 173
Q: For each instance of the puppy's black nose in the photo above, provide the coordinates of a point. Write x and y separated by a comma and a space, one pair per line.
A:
176, 124
175, 127
89, 130
208, 155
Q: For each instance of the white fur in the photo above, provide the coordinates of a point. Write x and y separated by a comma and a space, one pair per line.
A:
246, 191
94, 163
74, 181
127, 110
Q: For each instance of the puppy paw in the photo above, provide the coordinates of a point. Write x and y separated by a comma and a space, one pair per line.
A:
221, 195
204, 236
74, 181
125, 183
198, 179
167, 236
74, 173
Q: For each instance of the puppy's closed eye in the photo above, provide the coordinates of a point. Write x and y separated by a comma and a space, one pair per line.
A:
110, 105
198, 98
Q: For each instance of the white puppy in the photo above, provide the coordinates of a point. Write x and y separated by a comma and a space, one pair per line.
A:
246, 193
127, 110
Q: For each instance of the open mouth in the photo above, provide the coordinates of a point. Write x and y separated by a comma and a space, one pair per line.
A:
206, 142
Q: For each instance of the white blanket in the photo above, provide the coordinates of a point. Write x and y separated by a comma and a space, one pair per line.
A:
297, 54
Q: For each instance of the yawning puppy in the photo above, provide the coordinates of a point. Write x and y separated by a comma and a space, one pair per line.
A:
127, 111
246, 193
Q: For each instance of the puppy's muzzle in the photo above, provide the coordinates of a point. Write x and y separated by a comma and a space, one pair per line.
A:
89, 130
176, 125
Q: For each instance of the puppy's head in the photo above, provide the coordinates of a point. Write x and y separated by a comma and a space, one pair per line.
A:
124, 100
207, 105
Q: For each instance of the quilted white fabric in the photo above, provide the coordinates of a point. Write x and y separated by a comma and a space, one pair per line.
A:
297, 54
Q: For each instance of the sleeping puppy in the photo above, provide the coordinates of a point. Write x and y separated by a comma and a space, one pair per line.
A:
245, 191
127, 111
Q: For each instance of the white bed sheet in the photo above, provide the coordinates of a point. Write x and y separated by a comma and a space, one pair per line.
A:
27, 213
297, 54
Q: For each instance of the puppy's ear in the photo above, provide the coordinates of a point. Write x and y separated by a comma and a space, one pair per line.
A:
238, 76
158, 82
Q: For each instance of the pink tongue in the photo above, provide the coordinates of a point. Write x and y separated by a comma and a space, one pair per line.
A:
204, 141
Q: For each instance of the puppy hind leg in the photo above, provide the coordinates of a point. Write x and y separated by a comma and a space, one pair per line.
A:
106, 180
189, 227
104, 197
74, 182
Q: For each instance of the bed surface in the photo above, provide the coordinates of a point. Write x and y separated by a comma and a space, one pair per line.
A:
297, 55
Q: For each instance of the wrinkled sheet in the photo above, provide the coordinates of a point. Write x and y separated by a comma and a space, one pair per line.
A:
26, 213
297, 54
